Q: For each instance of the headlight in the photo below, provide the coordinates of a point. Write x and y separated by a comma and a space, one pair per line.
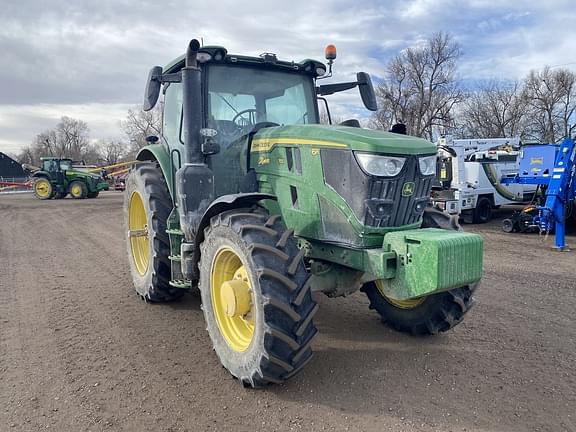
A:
380, 166
427, 165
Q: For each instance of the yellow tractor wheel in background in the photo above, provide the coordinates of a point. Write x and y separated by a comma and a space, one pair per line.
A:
78, 189
256, 300
43, 188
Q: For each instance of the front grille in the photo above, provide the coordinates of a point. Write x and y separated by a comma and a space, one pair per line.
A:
377, 201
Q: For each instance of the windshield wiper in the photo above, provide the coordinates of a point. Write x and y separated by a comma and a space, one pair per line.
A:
227, 103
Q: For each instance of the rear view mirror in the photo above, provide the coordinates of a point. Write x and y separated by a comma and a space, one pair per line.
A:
152, 88
367, 91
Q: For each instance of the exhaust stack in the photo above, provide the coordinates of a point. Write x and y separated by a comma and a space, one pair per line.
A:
194, 180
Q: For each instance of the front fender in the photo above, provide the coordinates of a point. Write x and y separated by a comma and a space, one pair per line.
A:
191, 253
228, 202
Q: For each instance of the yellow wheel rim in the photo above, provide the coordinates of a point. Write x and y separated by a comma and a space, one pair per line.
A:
401, 304
232, 299
138, 233
42, 188
76, 190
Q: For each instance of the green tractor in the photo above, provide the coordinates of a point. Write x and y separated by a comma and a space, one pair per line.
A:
248, 198
57, 178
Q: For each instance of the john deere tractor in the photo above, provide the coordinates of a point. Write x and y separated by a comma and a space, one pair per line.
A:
248, 198
57, 178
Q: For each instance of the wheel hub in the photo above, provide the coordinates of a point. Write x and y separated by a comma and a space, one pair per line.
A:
235, 297
42, 188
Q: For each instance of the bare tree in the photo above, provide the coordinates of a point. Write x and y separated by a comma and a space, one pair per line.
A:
27, 156
551, 98
140, 124
70, 139
495, 109
420, 88
111, 152
326, 121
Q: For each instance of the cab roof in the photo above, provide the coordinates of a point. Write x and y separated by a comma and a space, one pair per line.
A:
43, 158
219, 55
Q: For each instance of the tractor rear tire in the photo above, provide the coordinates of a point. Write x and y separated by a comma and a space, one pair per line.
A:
427, 315
92, 194
267, 338
147, 205
43, 188
78, 189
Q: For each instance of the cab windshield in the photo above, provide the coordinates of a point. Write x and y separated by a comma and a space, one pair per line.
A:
240, 97
65, 165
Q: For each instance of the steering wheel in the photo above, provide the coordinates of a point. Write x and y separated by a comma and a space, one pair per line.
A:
242, 122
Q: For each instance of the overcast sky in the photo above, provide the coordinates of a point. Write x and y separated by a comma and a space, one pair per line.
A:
89, 59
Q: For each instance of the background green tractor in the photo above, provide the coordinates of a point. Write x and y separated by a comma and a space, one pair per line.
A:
247, 197
57, 178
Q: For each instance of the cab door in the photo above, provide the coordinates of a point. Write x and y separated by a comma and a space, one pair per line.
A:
172, 125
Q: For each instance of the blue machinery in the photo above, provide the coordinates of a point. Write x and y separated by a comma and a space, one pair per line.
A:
555, 169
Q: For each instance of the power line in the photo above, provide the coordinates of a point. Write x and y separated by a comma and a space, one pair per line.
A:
565, 64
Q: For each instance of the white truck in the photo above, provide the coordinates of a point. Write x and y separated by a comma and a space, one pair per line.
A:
469, 173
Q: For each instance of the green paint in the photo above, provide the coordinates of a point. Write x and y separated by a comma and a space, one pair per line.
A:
431, 260
305, 217
159, 153
366, 140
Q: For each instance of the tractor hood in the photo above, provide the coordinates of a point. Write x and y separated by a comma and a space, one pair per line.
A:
83, 174
345, 137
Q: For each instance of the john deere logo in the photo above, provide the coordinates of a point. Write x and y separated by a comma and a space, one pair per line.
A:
408, 189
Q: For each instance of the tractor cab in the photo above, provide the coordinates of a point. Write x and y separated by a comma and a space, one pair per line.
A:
55, 165
230, 99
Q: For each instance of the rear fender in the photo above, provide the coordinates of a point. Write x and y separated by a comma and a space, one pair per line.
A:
159, 154
38, 174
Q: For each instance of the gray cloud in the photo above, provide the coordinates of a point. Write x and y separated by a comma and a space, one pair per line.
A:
59, 54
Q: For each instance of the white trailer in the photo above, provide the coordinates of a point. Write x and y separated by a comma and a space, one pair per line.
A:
469, 173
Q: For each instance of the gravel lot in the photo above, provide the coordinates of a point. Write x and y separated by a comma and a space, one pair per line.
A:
80, 352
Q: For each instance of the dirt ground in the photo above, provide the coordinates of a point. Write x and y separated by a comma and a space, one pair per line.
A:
80, 352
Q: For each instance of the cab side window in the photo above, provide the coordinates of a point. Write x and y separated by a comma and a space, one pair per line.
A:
172, 113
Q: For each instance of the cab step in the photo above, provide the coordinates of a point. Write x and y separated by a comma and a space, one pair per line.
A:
184, 284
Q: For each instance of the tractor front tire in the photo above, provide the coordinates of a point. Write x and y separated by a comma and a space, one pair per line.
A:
427, 315
256, 298
78, 189
93, 194
60, 195
43, 188
147, 205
